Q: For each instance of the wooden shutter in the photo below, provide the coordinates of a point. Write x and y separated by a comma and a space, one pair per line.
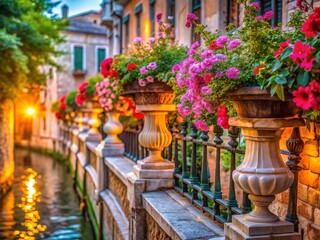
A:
101, 55
78, 58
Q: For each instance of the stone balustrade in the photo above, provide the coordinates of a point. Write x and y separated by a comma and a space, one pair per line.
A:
124, 205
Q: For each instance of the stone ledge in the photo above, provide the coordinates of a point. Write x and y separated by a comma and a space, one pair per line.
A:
120, 166
92, 146
116, 211
92, 173
178, 218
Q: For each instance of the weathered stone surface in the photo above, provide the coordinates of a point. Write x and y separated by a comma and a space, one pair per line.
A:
311, 148
233, 233
115, 219
305, 210
302, 192
316, 214
120, 166
119, 189
188, 224
314, 197
315, 165
154, 231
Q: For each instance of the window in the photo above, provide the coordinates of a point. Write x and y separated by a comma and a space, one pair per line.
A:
275, 6
152, 17
126, 20
137, 11
101, 54
171, 10
78, 58
196, 9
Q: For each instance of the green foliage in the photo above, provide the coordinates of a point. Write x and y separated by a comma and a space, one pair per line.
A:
27, 42
70, 100
91, 87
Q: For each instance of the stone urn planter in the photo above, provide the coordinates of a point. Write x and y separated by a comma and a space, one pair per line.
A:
93, 109
155, 100
262, 173
112, 145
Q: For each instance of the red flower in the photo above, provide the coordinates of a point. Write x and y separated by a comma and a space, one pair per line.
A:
307, 63
105, 67
80, 99
131, 66
58, 115
302, 55
138, 115
82, 88
282, 46
223, 118
256, 71
207, 77
299, 4
315, 99
312, 25
302, 97
214, 46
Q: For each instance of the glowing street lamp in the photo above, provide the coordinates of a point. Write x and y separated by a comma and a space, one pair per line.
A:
30, 111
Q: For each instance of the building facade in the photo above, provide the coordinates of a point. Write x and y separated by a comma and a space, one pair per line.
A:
85, 47
127, 19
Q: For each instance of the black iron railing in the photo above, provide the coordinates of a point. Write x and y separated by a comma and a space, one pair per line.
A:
189, 153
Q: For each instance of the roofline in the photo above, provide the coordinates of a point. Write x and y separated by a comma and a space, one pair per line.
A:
84, 13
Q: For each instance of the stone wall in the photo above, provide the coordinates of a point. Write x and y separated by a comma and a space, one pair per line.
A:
7, 144
309, 184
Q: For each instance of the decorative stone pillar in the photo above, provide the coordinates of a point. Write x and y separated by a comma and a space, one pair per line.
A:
262, 174
110, 146
155, 136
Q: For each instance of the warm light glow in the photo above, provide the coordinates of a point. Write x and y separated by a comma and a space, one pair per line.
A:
29, 199
30, 111
147, 29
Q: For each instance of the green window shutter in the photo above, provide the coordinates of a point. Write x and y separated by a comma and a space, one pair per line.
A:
78, 58
101, 56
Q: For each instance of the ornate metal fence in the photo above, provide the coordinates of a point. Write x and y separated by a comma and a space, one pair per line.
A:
189, 153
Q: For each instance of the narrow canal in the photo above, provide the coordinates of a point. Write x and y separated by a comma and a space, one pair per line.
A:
42, 203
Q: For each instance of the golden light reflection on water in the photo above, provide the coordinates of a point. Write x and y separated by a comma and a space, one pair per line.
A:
29, 199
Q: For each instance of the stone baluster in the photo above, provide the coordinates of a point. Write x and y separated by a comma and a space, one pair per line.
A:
262, 174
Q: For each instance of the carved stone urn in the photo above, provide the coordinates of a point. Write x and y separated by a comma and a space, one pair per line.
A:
262, 173
155, 101
112, 145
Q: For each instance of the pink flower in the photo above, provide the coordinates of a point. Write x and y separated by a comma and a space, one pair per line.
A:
152, 40
207, 63
152, 66
175, 68
268, 15
190, 18
195, 69
234, 43
158, 17
160, 35
142, 83
170, 17
194, 45
315, 90
260, 18
184, 111
201, 125
137, 40
232, 73
221, 41
150, 79
256, 6
206, 54
206, 90
143, 70
302, 97
219, 74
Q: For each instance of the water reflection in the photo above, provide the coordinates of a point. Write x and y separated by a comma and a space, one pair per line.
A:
42, 203
30, 197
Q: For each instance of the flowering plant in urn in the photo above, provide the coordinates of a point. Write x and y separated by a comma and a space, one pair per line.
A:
226, 63
150, 60
295, 65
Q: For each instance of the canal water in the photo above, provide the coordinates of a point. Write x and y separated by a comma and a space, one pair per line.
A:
42, 203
